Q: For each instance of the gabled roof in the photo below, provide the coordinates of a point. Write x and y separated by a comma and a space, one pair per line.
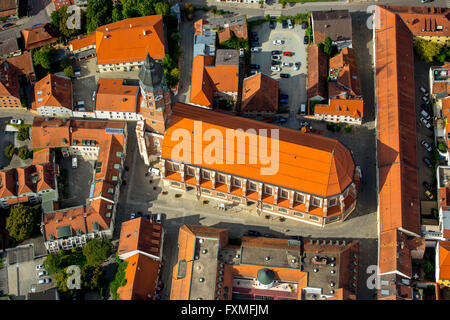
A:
11, 69
83, 42
130, 40
444, 260
53, 91
336, 24
260, 93
347, 78
395, 254
396, 124
207, 78
7, 183
115, 95
38, 36
42, 156
424, 21
70, 219
141, 277
140, 234
342, 107
317, 72
310, 163
25, 184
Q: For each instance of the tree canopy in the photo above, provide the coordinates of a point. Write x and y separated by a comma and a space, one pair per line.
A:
59, 20
98, 13
24, 153
162, 8
43, 57
97, 251
427, 50
22, 221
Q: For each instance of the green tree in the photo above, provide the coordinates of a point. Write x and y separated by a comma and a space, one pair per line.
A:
98, 13
119, 279
69, 71
162, 8
97, 251
175, 36
22, 221
9, 151
267, 17
327, 46
43, 57
175, 72
92, 277
24, 153
130, 9
23, 133
348, 128
427, 50
66, 62
117, 14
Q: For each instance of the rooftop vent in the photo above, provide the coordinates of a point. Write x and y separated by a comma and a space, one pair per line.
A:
293, 261
332, 272
332, 264
332, 291
332, 284
196, 258
106, 28
198, 267
201, 240
201, 279
316, 270
204, 251
267, 258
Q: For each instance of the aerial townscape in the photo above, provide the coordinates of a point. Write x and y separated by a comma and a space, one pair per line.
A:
224, 150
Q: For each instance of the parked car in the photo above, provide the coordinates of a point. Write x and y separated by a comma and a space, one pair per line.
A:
284, 24
7, 26
254, 66
290, 25
158, 218
284, 75
275, 68
303, 124
253, 72
423, 90
254, 49
283, 96
132, 215
15, 121
255, 44
241, 52
278, 42
287, 53
274, 52
253, 233
272, 24
305, 40
77, 74
426, 145
80, 103
74, 162
76, 68
39, 267
425, 115
428, 162
275, 62
276, 57
35, 25
46, 280
429, 195
427, 185
42, 273
297, 66
282, 120
254, 39
425, 123
284, 101
93, 95
147, 216
287, 64
254, 34
426, 100
426, 1
304, 25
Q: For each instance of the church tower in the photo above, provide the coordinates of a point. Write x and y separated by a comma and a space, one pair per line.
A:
156, 103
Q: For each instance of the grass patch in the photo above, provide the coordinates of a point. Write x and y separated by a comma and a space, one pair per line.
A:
119, 279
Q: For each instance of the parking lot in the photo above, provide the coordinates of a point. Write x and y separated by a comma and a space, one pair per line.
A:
84, 85
295, 85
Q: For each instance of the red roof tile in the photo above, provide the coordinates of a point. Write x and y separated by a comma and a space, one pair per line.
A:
260, 93
39, 36
317, 73
53, 91
114, 95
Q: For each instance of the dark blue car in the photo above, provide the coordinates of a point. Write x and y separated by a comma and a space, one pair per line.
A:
283, 96
284, 101
282, 120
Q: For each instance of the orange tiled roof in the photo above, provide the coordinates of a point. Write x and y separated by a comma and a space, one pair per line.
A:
423, 21
25, 184
396, 124
310, 163
317, 72
342, 107
240, 31
42, 156
125, 40
88, 40
46, 176
206, 79
39, 36
260, 93
114, 95
444, 260
7, 183
11, 69
394, 252
141, 277
67, 217
198, 27
347, 80
53, 91
140, 234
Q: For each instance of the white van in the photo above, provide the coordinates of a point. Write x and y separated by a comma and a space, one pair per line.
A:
74, 162
302, 109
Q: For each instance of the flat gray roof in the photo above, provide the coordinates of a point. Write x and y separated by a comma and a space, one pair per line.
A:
284, 257
227, 57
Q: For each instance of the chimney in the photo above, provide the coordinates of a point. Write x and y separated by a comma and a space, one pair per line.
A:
144, 32
131, 25
106, 28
